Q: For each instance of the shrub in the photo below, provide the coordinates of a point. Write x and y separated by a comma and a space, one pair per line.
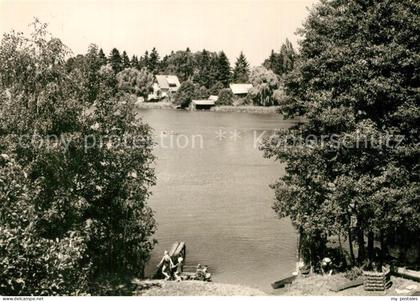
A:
225, 97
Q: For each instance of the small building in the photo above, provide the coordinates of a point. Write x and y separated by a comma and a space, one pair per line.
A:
240, 90
164, 87
201, 104
214, 98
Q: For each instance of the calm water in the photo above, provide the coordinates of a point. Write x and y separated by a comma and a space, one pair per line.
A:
213, 194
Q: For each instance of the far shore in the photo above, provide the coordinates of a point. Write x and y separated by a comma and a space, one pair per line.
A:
241, 109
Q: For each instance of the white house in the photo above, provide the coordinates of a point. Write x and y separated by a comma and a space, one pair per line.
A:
164, 86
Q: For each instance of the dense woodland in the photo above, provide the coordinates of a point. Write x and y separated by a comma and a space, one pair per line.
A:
202, 73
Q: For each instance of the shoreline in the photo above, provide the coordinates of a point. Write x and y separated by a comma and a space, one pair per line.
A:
194, 288
224, 109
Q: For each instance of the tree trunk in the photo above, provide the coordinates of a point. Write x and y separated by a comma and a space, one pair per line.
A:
383, 248
361, 254
371, 240
352, 258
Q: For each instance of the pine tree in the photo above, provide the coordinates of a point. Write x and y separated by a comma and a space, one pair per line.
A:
135, 62
223, 74
153, 62
115, 60
241, 70
101, 57
144, 60
125, 60
202, 76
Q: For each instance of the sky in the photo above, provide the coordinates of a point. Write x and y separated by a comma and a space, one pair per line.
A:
252, 26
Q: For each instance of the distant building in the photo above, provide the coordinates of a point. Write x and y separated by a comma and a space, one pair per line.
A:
213, 97
202, 104
164, 87
240, 90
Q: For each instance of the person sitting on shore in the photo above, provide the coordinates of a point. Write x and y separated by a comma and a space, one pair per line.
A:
167, 265
202, 274
178, 270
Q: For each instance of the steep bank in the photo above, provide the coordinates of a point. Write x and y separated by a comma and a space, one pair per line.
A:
195, 288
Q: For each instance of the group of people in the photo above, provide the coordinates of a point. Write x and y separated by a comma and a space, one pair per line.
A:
168, 267
171, 270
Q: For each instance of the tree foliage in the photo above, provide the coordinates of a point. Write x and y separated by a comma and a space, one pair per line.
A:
225, 97
74, 205
356, 80
185, 94
282, 62
135, 82
264, 83
241, 70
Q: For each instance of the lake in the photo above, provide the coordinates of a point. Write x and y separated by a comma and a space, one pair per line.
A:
213, 193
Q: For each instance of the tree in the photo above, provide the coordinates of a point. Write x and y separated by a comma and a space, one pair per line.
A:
241, 70
215, 89
135, 62
115, 61
203, 66
223, 73
135, 82
225, 97
357, 84
70, 211
102, 58
125, 60
181, 63
185, 94
264, 83
153, 61
282, 62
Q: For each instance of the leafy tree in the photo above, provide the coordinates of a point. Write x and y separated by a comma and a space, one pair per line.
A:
185, 94
241, 70
115, 61
225, 97
69, 211
223, 73
264, 83
202, 92
135, 82
356, 82
215, 89
181, 63
125, 60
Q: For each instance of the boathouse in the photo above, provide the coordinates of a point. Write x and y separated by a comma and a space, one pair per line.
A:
202, 104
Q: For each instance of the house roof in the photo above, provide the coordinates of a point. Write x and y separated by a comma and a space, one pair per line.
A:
165, 80
213, 97
205, 102
240, 88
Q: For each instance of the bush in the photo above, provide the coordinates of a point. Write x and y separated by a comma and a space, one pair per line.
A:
185, 94
225, 97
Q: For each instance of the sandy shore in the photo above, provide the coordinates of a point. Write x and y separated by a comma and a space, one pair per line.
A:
195, 288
